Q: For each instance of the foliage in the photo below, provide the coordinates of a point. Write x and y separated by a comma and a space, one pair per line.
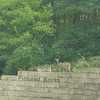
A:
24, 25
87, 65
35, 32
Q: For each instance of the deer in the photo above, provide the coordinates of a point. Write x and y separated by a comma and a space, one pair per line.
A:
66, 66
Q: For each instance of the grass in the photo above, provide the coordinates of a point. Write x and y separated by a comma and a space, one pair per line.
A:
90, 64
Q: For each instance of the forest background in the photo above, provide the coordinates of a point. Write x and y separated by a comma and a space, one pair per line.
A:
35, 32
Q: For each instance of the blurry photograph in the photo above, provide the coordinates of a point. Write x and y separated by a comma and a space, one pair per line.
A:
49, 50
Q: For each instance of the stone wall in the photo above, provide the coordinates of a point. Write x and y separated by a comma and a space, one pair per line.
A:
28, 85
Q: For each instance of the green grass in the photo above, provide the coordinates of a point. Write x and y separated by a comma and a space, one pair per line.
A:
91, 64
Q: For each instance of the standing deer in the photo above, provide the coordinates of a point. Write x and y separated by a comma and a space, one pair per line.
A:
65, 66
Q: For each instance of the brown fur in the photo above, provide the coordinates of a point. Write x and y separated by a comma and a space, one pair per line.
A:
66, 66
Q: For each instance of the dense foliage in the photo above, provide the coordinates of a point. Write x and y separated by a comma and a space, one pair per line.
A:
35, 32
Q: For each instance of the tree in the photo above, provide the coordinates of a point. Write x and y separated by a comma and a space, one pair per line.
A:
24, 28
40, 30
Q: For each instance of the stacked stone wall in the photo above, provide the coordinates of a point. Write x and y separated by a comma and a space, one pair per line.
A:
29, 85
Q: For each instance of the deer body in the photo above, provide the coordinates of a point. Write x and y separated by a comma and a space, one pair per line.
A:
65, 66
